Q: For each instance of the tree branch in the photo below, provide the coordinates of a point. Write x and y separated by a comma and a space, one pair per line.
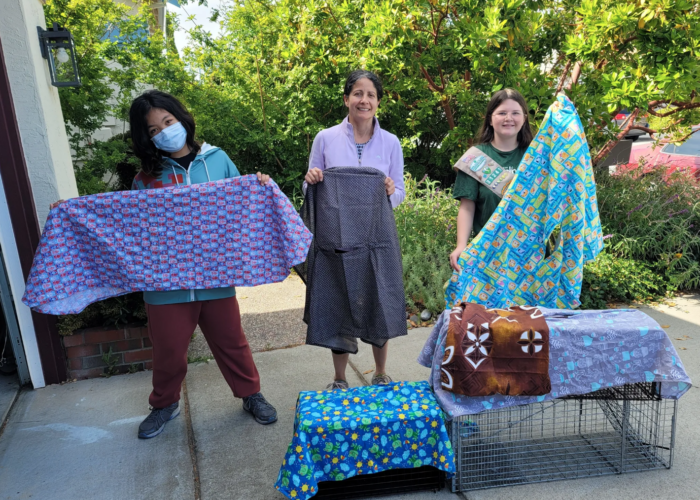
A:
330, 11
556, 63
443, 15
600, 64
656, 103
683, 139
643, 128
624, 42
262, 101
603, 153
448, 112
442, 77
431, 83
575, 74
563, 77
680, 106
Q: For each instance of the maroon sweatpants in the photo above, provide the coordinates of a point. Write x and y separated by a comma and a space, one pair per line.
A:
170, 328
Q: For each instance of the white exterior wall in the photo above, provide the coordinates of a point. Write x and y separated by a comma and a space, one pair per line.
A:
44, 143
37, 106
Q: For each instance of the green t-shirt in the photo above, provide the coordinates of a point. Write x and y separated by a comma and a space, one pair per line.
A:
486, 200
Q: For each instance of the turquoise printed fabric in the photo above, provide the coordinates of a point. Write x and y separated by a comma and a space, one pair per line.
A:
553, 188
363, 430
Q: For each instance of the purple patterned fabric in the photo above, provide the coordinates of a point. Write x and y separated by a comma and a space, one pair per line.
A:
211, 235
588, 350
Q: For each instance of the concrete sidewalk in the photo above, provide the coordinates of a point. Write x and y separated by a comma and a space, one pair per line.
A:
78, 441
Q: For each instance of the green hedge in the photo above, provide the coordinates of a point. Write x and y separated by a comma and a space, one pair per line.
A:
117, 311
426, 223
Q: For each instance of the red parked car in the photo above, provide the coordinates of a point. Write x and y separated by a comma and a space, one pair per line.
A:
684, 158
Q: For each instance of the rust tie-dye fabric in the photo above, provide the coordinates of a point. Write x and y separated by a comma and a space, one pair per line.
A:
496, 351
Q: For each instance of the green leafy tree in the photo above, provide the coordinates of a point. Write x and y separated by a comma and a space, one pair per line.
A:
273, 78
109, 41
639, 55
114, 42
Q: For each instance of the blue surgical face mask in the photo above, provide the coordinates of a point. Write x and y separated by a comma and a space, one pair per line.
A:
171, 139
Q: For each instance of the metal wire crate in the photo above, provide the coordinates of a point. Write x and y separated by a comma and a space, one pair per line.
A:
610, 431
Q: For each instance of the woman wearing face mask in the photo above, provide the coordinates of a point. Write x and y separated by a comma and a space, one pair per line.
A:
359, 141
162, 131
504, 137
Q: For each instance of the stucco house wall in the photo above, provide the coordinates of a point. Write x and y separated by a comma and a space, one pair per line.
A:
37, 106
44, 144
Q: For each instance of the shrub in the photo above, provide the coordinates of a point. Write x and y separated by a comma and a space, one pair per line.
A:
616, 279
655, 221
107, 166
426, 223
116, 311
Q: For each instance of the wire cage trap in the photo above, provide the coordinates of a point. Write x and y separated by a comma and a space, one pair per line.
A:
609, 431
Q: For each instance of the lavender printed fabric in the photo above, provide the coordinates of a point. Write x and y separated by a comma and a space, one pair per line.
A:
232, 232
589, 350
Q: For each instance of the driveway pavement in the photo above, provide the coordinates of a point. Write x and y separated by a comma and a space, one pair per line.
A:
78, 440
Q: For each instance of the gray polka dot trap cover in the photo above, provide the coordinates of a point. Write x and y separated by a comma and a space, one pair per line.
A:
353, 272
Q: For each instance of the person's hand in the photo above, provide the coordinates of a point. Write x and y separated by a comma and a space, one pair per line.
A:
454, 257
389, 185
55, 204
263, 178
313, 176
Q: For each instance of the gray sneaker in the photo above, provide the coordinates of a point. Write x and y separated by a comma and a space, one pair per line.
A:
338, 384
155, 422
381, 379
263, 412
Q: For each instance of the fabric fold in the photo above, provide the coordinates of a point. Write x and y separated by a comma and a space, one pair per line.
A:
231, 232
552, 194
353, 274
589, 350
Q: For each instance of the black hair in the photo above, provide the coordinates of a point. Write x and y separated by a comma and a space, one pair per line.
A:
358, 74
486, 133
144, 148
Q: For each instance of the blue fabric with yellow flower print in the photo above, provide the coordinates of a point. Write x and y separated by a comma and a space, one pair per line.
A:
363, 430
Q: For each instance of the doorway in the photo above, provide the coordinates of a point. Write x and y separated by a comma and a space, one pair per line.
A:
13, 364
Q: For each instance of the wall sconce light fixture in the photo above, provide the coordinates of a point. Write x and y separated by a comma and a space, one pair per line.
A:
58, 48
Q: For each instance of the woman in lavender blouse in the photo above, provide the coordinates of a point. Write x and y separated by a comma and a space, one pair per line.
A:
358, 140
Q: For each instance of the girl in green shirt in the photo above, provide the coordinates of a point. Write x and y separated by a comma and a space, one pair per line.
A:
504, 137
